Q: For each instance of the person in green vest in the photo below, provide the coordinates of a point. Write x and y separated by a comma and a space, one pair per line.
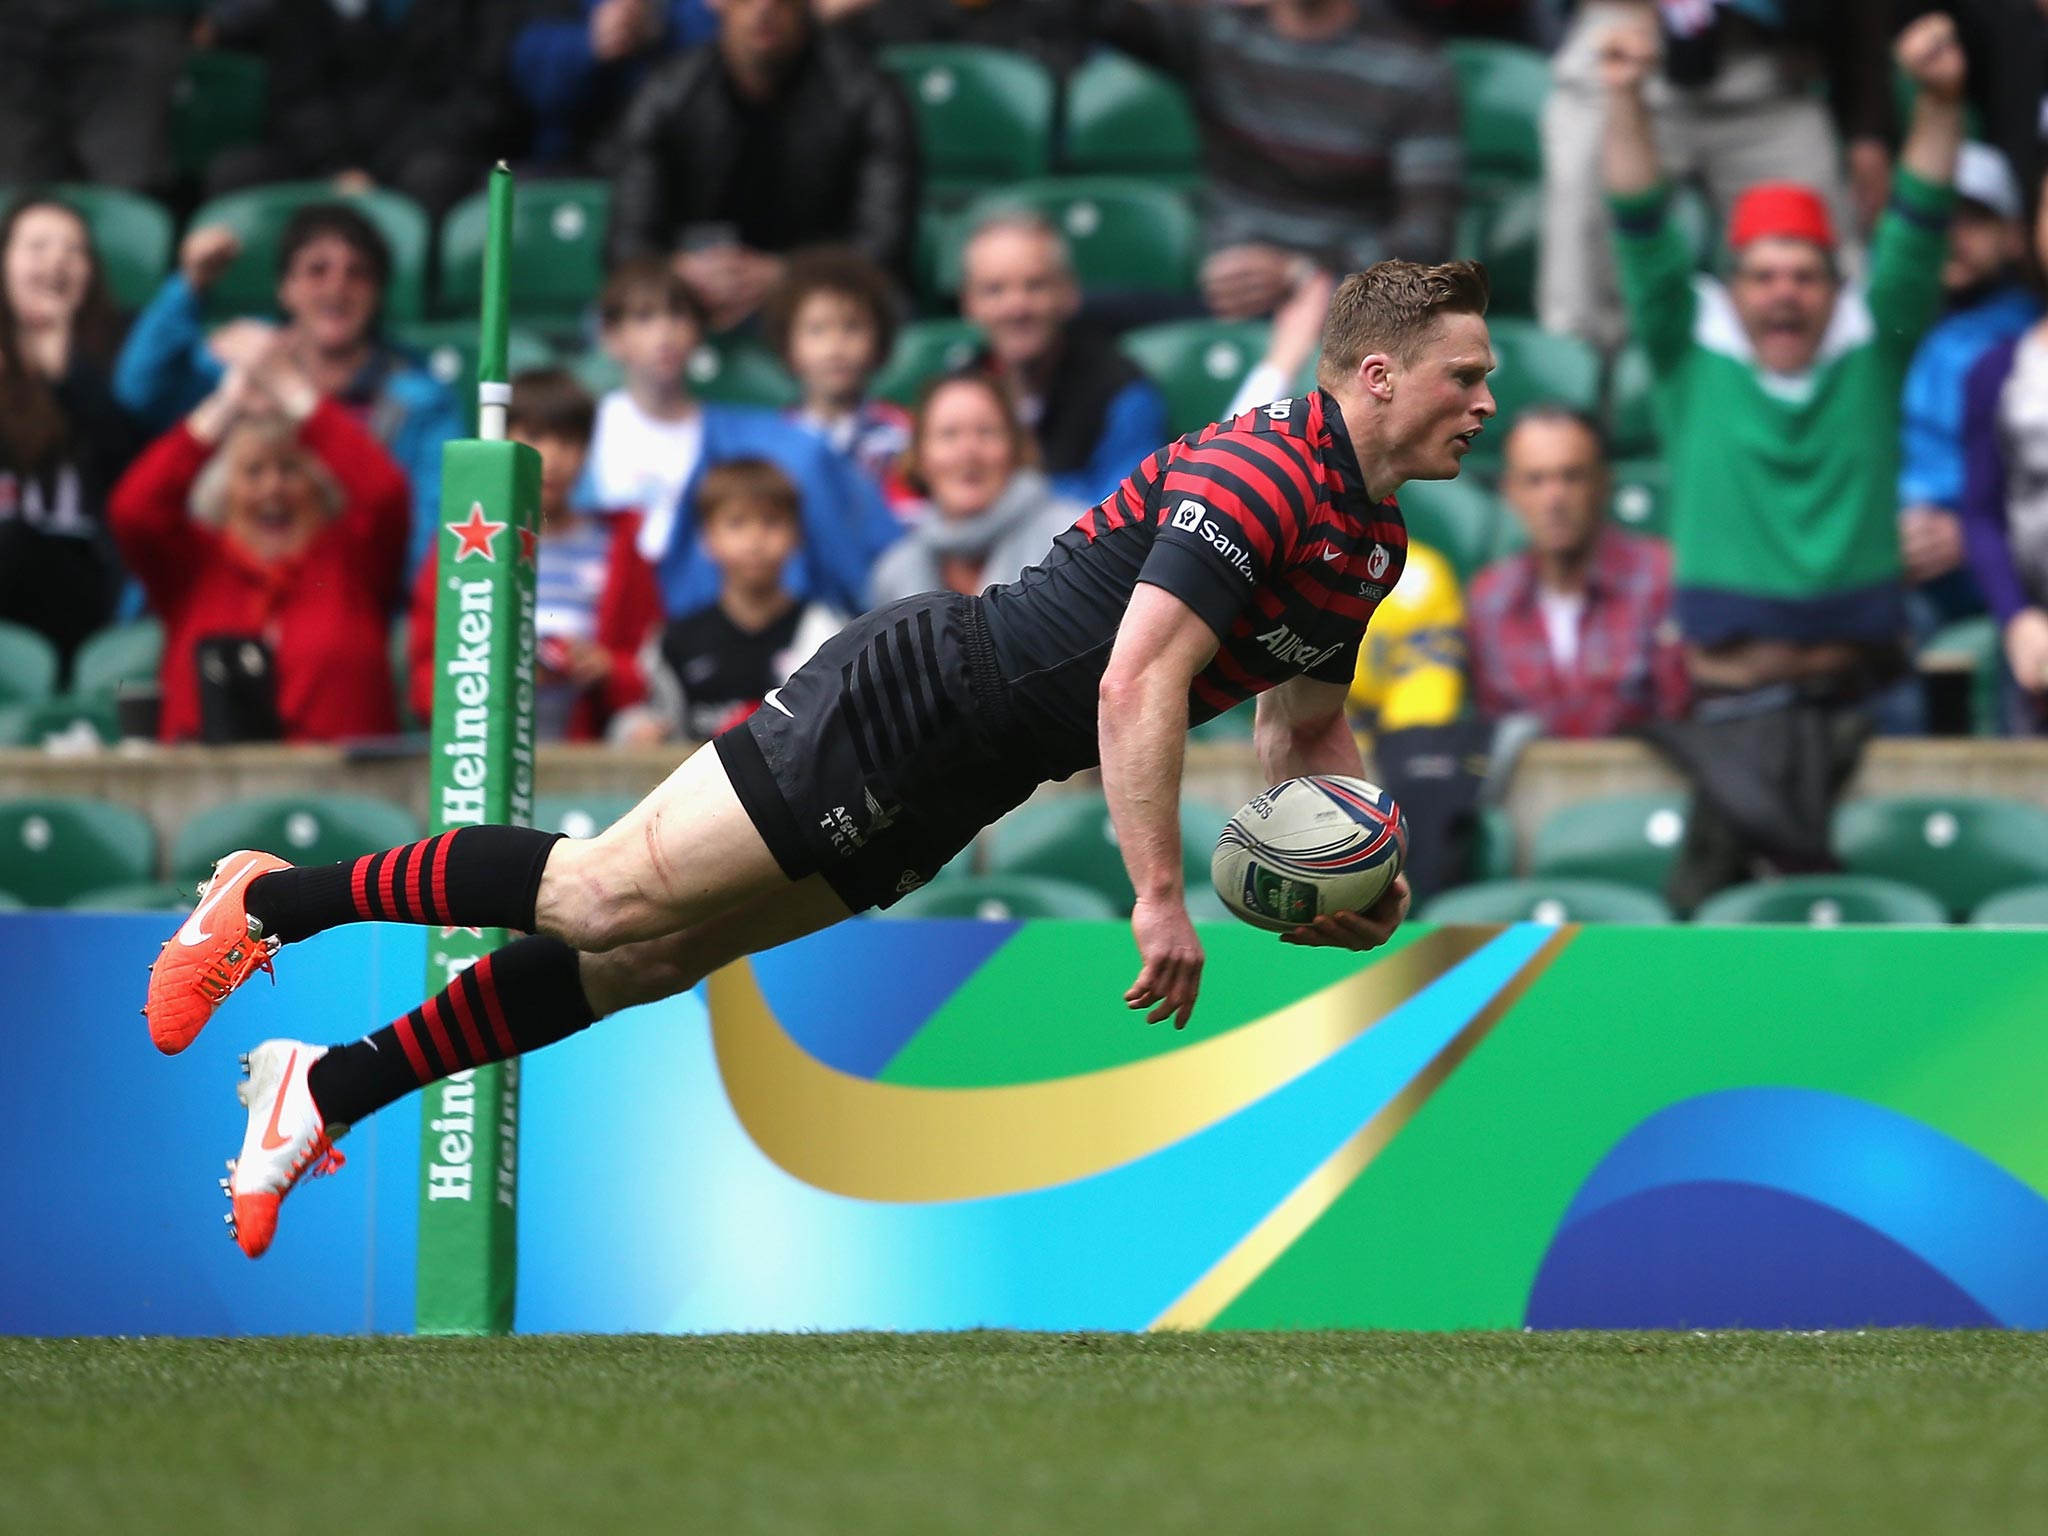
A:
1777, 392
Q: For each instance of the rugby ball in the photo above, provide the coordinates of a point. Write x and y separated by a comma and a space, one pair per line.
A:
1307, 847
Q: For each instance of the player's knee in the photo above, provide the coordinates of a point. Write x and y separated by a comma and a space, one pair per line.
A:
580, 902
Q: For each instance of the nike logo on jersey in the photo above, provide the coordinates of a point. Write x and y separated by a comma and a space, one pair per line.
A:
194, 931
773, 700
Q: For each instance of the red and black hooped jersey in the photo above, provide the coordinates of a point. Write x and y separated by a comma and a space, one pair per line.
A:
1262, 525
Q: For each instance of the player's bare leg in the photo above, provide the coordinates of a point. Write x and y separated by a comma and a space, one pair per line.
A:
302, 1097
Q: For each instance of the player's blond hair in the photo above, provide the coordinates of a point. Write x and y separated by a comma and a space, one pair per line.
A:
1394, 307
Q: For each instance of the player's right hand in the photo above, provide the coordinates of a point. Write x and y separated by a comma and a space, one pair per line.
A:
1171, 970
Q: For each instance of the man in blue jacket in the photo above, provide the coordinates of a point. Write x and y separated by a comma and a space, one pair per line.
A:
333, 269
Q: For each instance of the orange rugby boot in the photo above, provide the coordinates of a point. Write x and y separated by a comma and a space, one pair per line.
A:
219, 947
287, 1140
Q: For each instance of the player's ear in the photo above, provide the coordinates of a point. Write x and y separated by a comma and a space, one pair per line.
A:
1376, 375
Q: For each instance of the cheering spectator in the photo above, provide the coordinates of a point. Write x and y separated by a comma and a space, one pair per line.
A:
63, 440
576, 66
595, 599
1329, 136
269, 531
832, 321
85, 90
1094, 414
769, 139
409, 97
1577, 628
654, 438
1989, 302
993, 513
333, 269
711, 669
1734, 105
1779, 400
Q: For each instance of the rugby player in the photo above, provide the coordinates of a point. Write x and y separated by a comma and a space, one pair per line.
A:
1241, 560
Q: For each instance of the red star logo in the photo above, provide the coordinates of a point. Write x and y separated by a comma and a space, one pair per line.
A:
529, 547
476, 534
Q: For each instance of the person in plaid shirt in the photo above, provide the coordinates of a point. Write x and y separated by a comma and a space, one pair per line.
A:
1577, 628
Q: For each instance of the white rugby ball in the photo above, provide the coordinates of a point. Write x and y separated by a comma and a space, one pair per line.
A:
1307, 847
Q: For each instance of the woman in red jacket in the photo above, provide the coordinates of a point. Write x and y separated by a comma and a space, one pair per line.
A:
269, 531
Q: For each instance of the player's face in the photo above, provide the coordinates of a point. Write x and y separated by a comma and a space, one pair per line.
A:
832, 347
965, 449
1556, 481
48, 267
330, 291
750, 542
1019, 292
273, 503
1784, 291
561, 466
1440, 399
652, 344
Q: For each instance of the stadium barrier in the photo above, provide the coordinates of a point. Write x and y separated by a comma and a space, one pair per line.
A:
957, 1124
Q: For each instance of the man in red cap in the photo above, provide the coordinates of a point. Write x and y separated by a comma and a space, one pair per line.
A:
1777, 394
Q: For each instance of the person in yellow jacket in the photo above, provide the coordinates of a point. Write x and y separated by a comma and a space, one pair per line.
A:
1411, 666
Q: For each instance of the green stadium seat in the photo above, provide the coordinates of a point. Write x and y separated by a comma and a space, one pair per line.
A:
924, 350
258, 215
1641, 497
122, 653
1543, 900
61, 715
984, 115
558, 233
580, 815
1005, 898
737, 372
1197, 364
1126, 234
1501, 90
132, 235
136, 896
1962, 849
218, 103
1536, 368
1493, 845
1821, 901
28, 665
307, 829
449, 349
2024, 906
56, 847
1505, 232
1233, 725
1460, 519
1625, 840
1972, 646
10, 903
1069, 837
1124, 119
1632, 429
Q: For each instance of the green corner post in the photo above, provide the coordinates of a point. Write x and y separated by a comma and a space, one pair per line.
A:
481, 770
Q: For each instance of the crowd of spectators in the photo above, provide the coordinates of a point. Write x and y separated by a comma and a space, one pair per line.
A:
1852, 405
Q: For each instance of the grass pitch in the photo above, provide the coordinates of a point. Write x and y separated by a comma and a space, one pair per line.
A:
999, 1433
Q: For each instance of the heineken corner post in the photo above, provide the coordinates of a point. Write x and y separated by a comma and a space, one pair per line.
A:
481, 771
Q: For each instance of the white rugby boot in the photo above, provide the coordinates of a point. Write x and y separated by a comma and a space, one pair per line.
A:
287, 1140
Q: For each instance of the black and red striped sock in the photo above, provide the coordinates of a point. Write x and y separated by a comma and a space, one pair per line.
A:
473, 877
514, 1000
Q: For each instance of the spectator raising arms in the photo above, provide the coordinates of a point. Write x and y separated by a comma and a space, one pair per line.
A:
63, 440
654, 438
769, 139
832, 321
269, 531
596, 601
1329, 135
1577, 629
1094, 414
992, 513
333, 268
711, 669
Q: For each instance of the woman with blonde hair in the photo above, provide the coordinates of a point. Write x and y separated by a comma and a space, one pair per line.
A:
269, 531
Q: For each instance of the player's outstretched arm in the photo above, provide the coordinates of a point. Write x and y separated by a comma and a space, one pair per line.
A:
1142, 725
1301, 729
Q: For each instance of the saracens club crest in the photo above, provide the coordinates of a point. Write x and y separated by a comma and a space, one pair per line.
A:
1377, 562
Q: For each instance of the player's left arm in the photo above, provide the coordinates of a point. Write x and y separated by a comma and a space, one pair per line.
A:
1300, 729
